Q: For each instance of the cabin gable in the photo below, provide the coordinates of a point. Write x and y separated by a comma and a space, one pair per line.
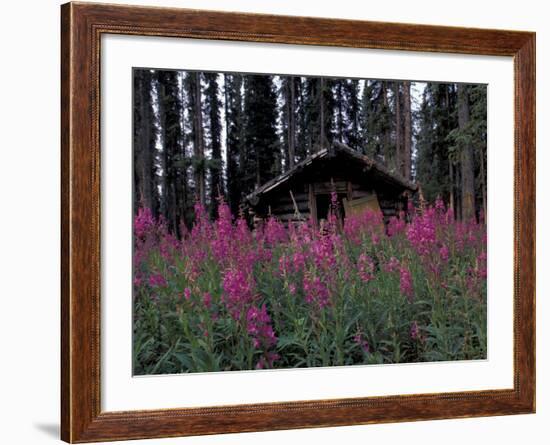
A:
304, 192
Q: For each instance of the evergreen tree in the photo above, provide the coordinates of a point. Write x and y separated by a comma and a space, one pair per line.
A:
213, 110
289, 107
144, 142
234, 127
353, 136
302, 133
262, 159
466, 153
407, 130
170, 109
193, 87
376, 121
436, 156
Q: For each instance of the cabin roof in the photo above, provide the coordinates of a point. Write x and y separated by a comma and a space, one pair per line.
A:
337, 149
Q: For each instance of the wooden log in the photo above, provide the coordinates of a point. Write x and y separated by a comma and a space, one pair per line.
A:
312, 204
291, 216
303, 206
286, 199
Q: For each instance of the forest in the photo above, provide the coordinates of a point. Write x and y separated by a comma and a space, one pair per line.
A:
355, 285
201, 135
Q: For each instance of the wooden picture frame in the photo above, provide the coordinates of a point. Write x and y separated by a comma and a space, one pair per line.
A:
82, 25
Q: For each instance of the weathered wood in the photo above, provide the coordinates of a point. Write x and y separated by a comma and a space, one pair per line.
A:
82, 418
312, 204
286, 208
291, 217
358, 206
327, 187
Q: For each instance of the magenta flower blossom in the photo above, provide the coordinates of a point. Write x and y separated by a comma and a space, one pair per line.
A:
482, 265
365, 268
274, 231
392, 265
259, 327
362, 342
157, 280
207, 299
421, 232
444, 253
144, 222
316, 291
187, 293
405, 283
238, 288
267, 360
414, 331
396, 226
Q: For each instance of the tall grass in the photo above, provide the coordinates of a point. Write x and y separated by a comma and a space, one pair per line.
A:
229, 298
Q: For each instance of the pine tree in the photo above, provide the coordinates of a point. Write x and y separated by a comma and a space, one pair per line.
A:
376, 121
234, 127
353, 136
407, 130
466, 154
436, 155
289, 107
215, 166
144, 142
170, 109
193, 88
262, 160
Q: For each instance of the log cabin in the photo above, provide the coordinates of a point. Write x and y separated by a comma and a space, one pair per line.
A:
304, 191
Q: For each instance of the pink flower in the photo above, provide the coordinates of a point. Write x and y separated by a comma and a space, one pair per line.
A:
238, 288
315, 291
396, 226
144, 222
414, 331
207, 299
365, 268
482, 265
444, 253
157, 280
363, 343
421, 233
274, 231
392, 265
187, 293
263, 337
405, 283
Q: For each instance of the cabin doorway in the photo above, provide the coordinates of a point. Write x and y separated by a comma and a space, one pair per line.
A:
322, 202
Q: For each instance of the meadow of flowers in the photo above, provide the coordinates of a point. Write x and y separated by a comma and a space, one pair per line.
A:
226, 297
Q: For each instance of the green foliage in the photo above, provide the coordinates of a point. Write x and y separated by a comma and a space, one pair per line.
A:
370, 320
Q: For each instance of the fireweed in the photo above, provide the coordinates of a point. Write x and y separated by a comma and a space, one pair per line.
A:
228, 297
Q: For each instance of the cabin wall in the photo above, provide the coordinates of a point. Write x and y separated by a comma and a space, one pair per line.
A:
288, 204
296, 200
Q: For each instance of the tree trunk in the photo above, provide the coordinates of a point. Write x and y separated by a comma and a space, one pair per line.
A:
466, 157
199, 143
291, 121
398, 152
163, 157
181, 185
451, 187
407, 137
146, 167
322, 112
386, 137
483, 184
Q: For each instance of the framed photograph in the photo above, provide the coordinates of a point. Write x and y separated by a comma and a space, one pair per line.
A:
274, 222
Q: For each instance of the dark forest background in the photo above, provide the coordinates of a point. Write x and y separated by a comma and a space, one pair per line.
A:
201, 135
